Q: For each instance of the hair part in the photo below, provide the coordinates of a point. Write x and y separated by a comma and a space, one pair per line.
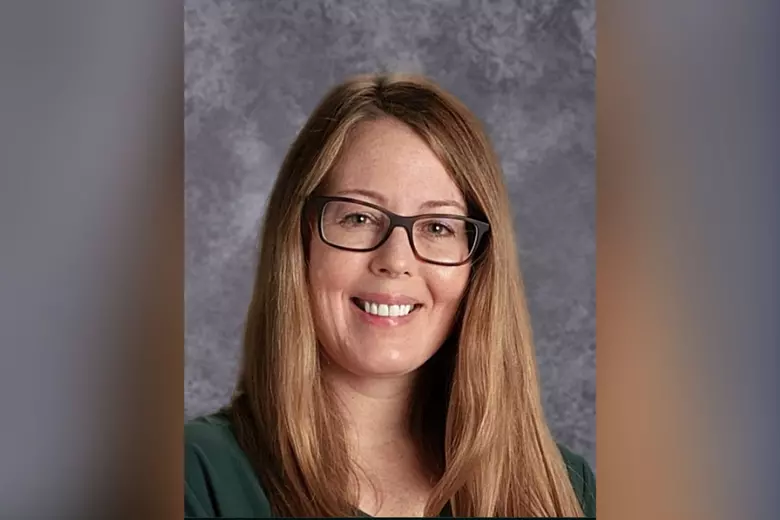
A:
478, 411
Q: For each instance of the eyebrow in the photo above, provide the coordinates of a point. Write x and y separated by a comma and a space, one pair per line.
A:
381, 199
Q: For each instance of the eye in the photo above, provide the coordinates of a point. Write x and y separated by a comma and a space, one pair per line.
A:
356, 219
438, 229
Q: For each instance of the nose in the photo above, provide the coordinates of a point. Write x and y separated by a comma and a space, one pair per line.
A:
395, 257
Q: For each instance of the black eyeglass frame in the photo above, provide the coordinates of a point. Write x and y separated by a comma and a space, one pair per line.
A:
318, 204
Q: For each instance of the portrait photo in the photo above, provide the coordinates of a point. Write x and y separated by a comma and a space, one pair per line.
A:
390, 258
361, 235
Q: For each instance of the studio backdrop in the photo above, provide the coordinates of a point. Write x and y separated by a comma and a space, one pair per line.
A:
254, 71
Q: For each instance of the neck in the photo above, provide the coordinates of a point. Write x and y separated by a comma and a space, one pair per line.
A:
376, 409
378, 434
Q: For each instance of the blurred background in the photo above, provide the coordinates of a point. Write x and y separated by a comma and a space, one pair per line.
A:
254, 70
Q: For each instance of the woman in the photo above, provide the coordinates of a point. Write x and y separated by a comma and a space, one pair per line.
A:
388, 364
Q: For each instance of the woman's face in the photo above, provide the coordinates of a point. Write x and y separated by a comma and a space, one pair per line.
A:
387, 164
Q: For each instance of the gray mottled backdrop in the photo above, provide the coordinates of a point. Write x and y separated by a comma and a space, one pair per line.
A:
255, 70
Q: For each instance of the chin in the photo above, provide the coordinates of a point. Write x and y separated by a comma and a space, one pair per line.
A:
387, 366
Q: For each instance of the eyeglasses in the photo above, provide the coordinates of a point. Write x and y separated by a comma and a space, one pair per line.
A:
354, 225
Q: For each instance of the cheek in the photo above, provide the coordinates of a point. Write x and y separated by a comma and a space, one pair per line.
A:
331, 273
448, 285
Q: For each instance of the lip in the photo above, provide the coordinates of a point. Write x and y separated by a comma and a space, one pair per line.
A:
383, 321
387, 298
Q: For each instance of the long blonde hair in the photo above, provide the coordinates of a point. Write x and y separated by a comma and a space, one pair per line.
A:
479, 417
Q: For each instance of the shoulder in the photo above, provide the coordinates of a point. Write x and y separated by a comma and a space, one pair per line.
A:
209, 443
218, 477
208, 434
582, 480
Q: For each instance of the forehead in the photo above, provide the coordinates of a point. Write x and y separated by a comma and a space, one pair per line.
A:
389, 158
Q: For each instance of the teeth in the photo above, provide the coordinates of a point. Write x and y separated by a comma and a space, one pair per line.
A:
381, 309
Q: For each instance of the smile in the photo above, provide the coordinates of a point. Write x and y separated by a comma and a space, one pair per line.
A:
384, 310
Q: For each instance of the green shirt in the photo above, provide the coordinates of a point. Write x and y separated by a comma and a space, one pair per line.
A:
219, 480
